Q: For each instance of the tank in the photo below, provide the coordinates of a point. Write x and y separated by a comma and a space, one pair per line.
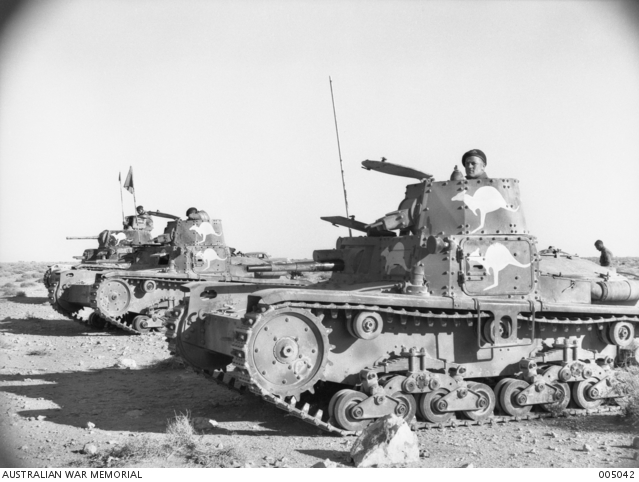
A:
443, 311
113, 247
141, 285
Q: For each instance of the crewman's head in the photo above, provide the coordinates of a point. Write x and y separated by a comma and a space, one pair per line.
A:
140, 210
599, 244
190, 211
474, 162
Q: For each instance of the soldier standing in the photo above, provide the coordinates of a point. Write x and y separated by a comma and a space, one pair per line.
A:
606, 255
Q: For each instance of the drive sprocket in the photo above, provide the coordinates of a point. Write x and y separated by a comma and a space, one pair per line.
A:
283, 351
113, 297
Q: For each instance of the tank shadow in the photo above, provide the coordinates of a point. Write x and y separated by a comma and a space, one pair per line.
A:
25, 300
54, 327
144, 400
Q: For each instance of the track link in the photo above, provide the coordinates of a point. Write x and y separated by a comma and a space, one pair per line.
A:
239, 380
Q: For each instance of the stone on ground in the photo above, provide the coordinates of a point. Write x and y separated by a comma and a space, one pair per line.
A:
635, 443
386, 441
126, 363
202, 423
89, 449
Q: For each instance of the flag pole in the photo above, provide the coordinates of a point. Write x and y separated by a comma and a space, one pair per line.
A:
135, 202
121, 198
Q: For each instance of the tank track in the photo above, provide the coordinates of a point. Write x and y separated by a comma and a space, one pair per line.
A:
118, 321
71, 315
239, 380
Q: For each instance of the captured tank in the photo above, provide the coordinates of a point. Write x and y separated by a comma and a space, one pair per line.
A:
113, 247
146, 284
443, 312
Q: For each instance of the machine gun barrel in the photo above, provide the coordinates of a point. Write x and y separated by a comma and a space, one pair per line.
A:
82, 237
337, 265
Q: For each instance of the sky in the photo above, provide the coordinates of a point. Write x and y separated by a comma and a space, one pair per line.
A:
226, 106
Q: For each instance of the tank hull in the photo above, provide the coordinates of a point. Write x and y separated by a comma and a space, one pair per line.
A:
445, 311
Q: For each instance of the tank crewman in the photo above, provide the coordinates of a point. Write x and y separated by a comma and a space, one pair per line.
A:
474, 162
606, 255
144, 219
191, 213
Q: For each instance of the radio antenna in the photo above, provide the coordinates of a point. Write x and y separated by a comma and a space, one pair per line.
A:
339, 151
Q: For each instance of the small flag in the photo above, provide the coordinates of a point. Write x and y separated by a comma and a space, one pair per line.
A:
128, 182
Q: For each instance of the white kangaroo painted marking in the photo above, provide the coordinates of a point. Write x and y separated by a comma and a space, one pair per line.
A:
209, 255
486, 199
203, 229
496, 258
118, 237
394, 257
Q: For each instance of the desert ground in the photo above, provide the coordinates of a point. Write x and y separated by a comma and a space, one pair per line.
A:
70, 396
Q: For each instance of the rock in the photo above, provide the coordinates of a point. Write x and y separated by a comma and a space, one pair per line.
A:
586, 448
269, 460
468, 466
635, 443
219, 446
324, 464
202, 423
126, 363
636, 456
89, 449
386, 441
90, 425
24, 447
41, 417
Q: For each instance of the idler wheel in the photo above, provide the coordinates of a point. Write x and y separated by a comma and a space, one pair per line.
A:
621, 333
429, 409
141, 324
485, 404
114, 297
367, 325
562, 397
581, 394
287, 351
509, 398
343, 410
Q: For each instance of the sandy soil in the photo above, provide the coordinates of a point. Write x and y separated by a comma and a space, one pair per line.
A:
57, 376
